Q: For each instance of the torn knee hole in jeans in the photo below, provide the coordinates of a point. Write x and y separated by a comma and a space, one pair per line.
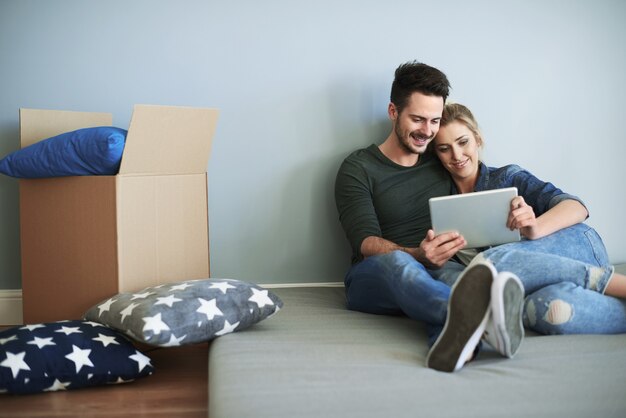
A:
595, 274
559, 312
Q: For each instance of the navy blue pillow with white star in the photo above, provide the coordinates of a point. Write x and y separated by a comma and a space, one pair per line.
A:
186, 312
66, 355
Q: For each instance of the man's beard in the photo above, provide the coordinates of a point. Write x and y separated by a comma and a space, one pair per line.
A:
405, 140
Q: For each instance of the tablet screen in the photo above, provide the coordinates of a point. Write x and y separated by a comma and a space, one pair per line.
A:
480, 217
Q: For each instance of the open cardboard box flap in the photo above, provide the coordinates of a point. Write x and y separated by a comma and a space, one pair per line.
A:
161, 139
168, 140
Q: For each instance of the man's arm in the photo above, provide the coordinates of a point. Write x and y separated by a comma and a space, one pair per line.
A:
353, 198
433, 251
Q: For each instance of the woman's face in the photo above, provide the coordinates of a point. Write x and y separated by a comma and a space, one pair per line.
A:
457, 148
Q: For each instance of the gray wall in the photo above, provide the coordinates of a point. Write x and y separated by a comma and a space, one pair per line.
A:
301, 84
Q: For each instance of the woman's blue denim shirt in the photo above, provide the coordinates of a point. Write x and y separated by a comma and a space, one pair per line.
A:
540, 195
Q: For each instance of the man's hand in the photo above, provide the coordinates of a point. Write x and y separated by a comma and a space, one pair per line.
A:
435, 250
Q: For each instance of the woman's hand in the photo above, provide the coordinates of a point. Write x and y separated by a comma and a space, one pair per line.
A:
522, 217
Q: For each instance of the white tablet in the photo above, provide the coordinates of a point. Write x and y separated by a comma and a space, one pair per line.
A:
480, 217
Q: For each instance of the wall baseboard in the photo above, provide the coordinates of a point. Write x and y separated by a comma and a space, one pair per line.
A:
11, 307
284, 285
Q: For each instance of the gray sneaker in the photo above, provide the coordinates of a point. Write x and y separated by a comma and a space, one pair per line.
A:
505, 330
469, 308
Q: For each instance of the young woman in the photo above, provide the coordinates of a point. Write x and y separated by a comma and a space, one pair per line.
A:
562, 262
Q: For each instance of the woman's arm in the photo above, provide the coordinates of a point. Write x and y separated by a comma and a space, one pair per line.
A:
566, 213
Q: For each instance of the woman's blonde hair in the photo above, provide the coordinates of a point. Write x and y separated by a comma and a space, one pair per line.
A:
457, 112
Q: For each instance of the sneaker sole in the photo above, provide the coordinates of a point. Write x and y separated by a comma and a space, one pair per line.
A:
468, 312
509, 317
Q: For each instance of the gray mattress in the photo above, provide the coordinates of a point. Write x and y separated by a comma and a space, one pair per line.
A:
317, 359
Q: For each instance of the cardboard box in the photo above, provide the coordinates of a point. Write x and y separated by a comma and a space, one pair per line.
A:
86, 238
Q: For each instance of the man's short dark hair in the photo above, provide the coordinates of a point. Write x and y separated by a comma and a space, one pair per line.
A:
414, 77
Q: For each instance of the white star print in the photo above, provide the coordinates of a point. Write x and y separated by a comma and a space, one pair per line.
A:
209, 308
93, 324
155, 324
15, 362
142, 361
33, 326
57, 385
223, 286
181, 286
141, 295
128, 310
169, 301
41, 342
106, 339
260, 298
3, 341
274, 313
80, 358
227, 328
173, 341
105, 307
69, 330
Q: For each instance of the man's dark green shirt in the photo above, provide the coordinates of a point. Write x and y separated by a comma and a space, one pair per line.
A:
377, 197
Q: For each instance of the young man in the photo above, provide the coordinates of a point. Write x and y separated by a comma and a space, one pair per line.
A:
382, 196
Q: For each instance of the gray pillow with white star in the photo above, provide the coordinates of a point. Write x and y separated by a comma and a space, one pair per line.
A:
186, 312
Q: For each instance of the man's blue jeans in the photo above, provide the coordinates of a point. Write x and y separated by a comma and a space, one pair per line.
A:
396, 284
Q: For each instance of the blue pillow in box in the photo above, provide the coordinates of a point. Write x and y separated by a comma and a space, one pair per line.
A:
84, 152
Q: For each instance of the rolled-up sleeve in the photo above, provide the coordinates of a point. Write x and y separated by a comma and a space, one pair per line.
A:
541, 195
